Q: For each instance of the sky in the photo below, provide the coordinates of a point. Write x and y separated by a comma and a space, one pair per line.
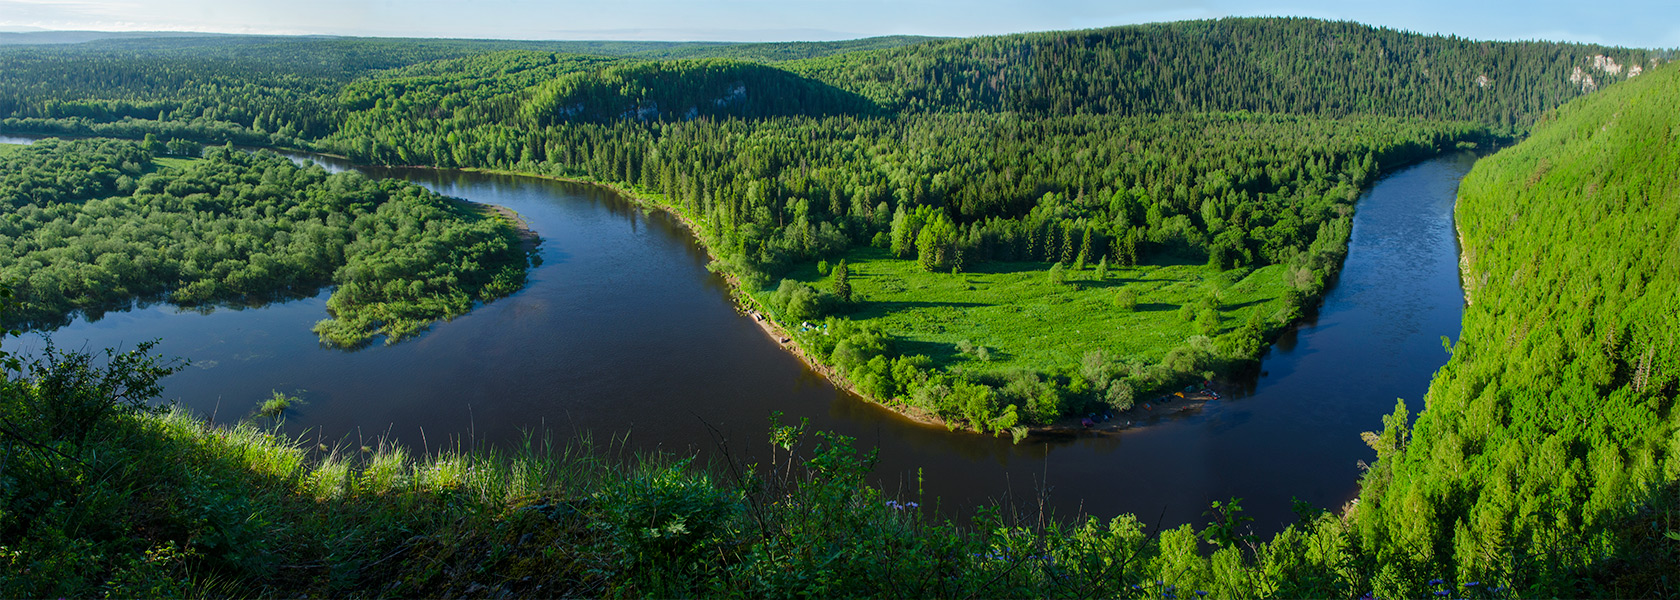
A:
1636, 23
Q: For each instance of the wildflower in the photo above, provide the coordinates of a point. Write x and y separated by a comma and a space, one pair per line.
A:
1440, 592
1473, 584
1436, 582
1201, 592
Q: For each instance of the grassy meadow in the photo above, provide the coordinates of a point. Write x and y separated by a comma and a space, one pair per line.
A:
1026, 321
179, 163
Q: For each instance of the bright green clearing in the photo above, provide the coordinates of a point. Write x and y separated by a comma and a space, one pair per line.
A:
175, 162
1026, 321
6, 149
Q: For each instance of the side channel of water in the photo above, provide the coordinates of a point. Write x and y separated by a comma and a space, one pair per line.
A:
623, 335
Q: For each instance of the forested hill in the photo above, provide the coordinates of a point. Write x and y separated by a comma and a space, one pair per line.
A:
686, 89
1550, 446
266, 89
1280, 65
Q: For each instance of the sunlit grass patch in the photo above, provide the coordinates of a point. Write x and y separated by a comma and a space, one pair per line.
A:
1020, 318
176, 162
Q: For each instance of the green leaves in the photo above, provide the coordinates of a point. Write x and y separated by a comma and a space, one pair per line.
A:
1228, 527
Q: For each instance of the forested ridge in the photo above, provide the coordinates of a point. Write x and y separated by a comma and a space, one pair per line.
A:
1262, 65
91, 225
1280, 65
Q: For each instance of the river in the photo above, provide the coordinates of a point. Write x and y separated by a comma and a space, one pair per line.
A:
623, 335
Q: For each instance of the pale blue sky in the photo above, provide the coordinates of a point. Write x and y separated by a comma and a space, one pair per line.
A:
1640, 23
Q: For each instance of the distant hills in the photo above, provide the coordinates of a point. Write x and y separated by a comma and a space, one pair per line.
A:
11, 38
753, 51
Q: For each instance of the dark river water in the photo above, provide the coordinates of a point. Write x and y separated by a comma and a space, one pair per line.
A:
622, 334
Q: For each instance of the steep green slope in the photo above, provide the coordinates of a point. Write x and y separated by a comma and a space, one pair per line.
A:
1552, 432
1288, 65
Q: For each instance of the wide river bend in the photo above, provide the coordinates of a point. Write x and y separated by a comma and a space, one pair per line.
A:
624, 335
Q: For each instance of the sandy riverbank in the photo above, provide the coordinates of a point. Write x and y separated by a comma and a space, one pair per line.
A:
528, 238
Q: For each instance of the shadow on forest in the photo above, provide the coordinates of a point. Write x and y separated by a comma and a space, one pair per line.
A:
1240, 305
1155, 306
902, 304
946, 354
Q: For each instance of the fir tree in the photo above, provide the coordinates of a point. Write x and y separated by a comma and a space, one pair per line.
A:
842, 285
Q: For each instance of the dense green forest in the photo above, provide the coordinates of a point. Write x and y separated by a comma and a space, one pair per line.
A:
1302, 66
91, 225
1544, 461
1235, 190
251, 88
1238, 143
1548, 450
689, 89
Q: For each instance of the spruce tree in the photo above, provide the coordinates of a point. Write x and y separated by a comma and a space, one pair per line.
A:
841, 285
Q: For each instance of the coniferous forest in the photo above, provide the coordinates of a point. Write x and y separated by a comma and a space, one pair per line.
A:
1229, 153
